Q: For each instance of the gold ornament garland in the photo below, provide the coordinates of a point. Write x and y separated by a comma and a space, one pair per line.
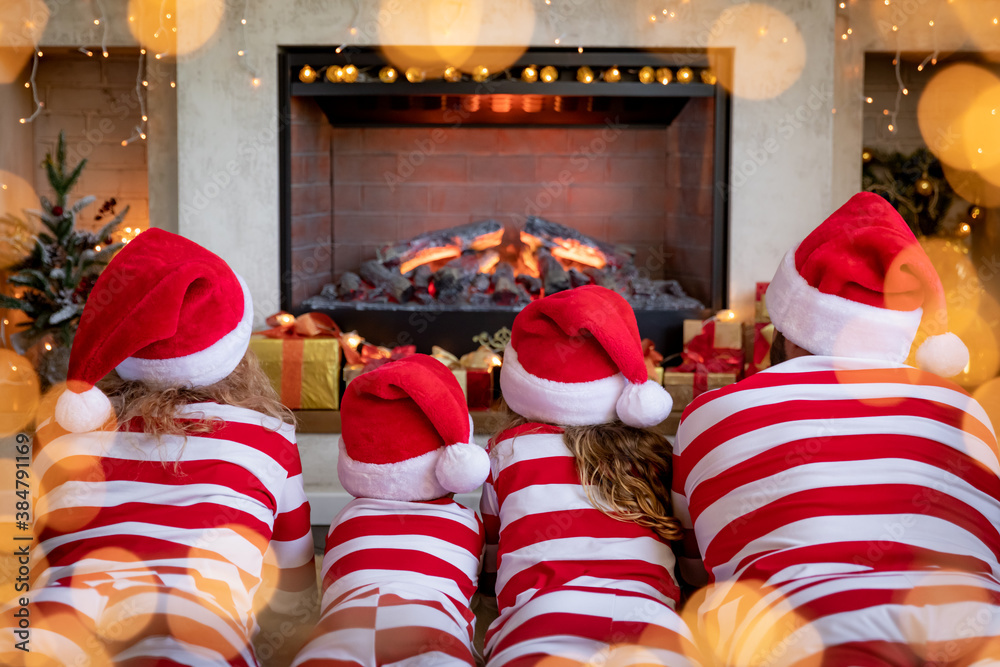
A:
529, 74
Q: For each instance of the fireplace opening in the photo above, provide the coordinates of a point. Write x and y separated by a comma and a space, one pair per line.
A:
431, 211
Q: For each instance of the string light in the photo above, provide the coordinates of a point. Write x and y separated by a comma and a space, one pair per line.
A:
139, 132
245, 61
34, 89
102, 20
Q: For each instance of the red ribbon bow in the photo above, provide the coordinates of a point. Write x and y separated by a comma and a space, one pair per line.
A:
701, 357
307, 325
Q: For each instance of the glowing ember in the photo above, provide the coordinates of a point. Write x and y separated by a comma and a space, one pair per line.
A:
528, 264
485, 241
428, 255
574, 251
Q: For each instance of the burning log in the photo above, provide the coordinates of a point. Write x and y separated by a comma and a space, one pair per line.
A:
349, 286
421, 277
506, 291
601, 277
390, 280
531, 284
577, 278
554, 276
570, 245
452, 278
441, 244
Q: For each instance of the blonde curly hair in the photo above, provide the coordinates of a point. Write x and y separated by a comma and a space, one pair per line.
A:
624, 470
246, 387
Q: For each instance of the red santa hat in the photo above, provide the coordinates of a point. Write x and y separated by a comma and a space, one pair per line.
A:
859, 286
406, 434
575, 359
165, 311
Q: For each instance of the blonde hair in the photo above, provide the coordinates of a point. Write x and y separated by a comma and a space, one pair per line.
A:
246, 387
625, 471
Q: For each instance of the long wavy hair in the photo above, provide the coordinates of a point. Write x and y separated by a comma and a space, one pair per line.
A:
625, 471
246, 387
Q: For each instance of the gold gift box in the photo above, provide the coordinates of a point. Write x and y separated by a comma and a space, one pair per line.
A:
304, 371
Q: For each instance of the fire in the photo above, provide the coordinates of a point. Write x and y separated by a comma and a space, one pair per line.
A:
567, 250
488, 240
489, 262
528, 263
428, 255
574, 251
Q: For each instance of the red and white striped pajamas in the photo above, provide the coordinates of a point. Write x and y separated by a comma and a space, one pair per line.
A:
398, 579
848, 513
152, 551
573, 584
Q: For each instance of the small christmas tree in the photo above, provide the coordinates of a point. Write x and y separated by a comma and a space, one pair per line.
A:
53, 281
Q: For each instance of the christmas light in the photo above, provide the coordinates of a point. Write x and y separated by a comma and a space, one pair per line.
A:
529, 74
549, 74
307, 74
585, 75
452, 74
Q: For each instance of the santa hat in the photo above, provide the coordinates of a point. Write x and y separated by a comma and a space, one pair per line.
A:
575, 359
165, 311
859, 286
406, 434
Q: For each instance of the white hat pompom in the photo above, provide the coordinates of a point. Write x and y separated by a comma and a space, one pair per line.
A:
463, 467
83, 412
945, 355
644, 405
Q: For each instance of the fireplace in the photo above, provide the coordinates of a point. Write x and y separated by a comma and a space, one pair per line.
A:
619, 175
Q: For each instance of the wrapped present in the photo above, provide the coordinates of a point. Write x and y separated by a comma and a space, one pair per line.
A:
758, 350
712, 358
301, 358
681, 386
477, 367
654, 370
760, 304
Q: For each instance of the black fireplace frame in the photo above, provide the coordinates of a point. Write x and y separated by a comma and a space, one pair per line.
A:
454, 327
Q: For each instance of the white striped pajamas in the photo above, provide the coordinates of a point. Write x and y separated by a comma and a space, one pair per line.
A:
398, 578
574, 586
848, 514
152, 552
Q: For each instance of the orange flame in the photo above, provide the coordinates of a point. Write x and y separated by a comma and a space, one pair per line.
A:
428, 255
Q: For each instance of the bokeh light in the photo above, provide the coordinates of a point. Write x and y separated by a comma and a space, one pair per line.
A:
16, 196
962, 289
988, 395
748, 623
956, 120
62, 505
21, 27
981, 187
19, 392
467, 35
769, 50
174, 27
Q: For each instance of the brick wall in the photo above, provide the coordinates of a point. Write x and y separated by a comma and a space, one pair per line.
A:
650, 189
312, 232
93, 100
